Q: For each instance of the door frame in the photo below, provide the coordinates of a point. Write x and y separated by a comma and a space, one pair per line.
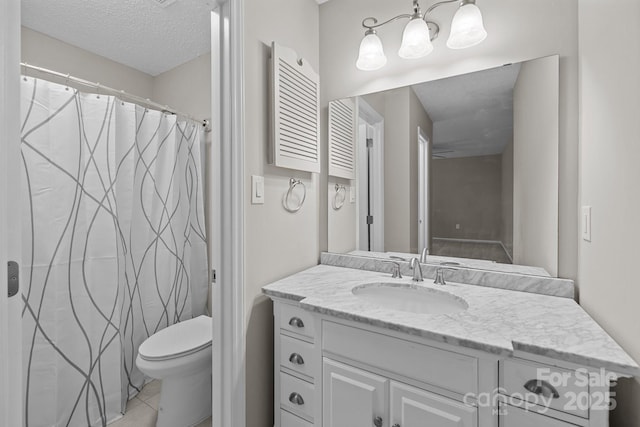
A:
227, 215
10, 317
227, 157
375, 122
424, 163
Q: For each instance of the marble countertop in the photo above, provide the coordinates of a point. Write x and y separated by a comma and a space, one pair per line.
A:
478, 264
497, 321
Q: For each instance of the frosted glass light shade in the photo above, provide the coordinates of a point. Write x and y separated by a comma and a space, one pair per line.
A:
467, 28
371, 56
416, 40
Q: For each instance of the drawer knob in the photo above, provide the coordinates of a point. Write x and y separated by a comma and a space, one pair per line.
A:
296, 399
296, 359
542, 388
296, 322
377, 421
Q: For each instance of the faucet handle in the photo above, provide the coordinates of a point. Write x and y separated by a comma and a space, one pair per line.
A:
439, 280
395, 273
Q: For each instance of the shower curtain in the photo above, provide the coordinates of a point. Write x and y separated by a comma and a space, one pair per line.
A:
114, 246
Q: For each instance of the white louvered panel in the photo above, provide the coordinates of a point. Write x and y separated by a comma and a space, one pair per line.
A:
342, 138
295, 112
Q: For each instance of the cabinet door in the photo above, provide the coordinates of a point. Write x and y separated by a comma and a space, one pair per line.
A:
412, 407
352, 397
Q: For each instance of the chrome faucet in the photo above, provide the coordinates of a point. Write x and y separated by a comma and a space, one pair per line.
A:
395, 272
440, 277
417, 269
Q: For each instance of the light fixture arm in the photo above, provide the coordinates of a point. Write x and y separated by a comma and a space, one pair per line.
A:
434, 28
435, 5
375, 21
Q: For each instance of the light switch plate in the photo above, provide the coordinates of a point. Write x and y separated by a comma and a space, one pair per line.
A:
352, 194
586, 223
257, 190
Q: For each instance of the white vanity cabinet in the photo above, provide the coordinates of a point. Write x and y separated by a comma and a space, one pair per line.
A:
331, 372
297, 368
353, 397
517, 417
413, 407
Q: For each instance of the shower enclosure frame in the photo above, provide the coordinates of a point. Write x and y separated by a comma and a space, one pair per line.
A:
226, 222
10, 308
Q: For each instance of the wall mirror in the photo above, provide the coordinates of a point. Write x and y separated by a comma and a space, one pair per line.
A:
466, 167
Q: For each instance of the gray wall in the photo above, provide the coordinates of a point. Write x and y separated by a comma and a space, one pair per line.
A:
609, 106
418, 118
342, 222
44, 51
467, 191
535, 165
277, 243
397, 171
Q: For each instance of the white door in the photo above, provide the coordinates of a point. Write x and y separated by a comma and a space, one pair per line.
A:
10, 320
424, 160
412, 407
362, 169
370, 177
352, 397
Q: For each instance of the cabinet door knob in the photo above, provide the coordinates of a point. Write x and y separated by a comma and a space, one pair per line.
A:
296, 359
296, 399
377, 421
542, 388
296, 322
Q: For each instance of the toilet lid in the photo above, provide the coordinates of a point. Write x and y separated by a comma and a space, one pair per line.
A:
178, 340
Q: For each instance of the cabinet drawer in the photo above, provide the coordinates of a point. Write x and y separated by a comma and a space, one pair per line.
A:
295, 319
517, 417
549, 386
287, 419
297, 355
296, 395
430, 365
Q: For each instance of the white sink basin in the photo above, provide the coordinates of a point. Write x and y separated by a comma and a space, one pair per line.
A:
410, 298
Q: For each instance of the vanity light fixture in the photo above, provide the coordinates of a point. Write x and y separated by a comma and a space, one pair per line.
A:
467, 29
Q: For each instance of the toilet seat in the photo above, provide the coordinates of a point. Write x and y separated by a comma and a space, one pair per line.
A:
179, 340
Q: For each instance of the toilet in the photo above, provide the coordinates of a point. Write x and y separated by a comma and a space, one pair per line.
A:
180, 356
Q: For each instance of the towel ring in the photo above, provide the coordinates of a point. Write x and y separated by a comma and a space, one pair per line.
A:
293, 183
340, 197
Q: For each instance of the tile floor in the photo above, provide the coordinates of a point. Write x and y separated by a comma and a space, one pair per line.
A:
142, 410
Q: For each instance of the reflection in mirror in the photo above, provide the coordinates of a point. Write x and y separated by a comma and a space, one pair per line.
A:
464, 167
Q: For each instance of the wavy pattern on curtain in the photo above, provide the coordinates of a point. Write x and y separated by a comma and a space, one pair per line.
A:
114, 246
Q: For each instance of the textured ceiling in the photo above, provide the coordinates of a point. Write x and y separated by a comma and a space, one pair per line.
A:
472, 114
137, 33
